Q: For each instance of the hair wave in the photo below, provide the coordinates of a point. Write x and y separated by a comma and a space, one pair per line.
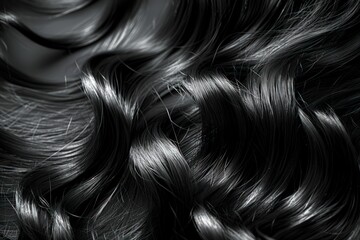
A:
224, 120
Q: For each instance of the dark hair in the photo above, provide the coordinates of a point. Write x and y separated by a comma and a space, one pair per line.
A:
207, 119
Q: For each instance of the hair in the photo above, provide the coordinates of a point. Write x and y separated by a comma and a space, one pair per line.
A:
197, 119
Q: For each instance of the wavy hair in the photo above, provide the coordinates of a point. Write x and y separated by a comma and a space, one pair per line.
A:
193, 119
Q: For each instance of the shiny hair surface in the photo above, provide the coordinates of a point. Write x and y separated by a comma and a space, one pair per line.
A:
193, 119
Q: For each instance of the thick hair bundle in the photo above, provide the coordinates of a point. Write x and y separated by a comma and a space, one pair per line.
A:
193, 119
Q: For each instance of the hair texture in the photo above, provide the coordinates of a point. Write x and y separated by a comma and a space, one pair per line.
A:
221, 120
